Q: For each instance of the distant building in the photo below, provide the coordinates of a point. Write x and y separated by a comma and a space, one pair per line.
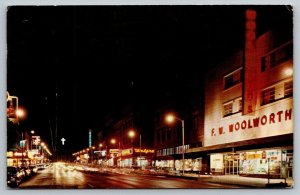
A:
125, 149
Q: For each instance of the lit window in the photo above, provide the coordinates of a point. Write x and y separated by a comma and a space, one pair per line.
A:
277, 57
268, 95
232, 107
228, 109
233, 79
277, 92
288, 89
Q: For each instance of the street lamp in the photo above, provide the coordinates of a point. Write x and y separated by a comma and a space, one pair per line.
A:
20, 113
92, 153
131, 134
31, 141
170, 118
113, 141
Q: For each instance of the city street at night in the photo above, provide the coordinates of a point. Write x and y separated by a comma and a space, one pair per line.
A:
150, 97
62, 176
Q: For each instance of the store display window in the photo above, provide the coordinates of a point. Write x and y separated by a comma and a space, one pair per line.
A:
262, 162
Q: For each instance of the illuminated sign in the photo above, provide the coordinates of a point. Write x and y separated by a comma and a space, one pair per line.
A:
9, 154
114, 151
216, 162
36, 140
145, 151
19, 154
268, 121
127, 152
90, 138
35, 151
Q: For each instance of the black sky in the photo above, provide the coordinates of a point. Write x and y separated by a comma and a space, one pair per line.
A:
99, 58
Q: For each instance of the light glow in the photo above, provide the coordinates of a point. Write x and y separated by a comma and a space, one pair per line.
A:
131, 134
170, 118
20, 113
113, 141
288, 72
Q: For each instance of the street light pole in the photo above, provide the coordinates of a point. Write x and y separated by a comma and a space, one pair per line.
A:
22, 142
140, 150
140, 144
183, 149
170, 119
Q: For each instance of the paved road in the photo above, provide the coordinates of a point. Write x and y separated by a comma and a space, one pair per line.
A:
60, 176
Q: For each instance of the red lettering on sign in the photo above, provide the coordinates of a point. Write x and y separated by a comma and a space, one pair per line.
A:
272, 118
279, 115
263, 120
237, 126
288, 114
249, 124
255, 122
221, 130
244, 124
231, 128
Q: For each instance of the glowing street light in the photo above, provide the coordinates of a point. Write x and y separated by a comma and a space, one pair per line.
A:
112, 141
170, 118
20, 113
31, 142
131, 134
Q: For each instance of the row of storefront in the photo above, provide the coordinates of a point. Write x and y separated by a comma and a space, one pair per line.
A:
32, 157
263, 163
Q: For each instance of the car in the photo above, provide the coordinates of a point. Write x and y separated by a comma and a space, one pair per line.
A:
26, 170
40, 166
33, 168
14, 176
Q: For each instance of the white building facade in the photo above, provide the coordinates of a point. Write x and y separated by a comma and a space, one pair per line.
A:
249, 114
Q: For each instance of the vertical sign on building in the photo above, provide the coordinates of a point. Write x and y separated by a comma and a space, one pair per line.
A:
250, 65
90, 138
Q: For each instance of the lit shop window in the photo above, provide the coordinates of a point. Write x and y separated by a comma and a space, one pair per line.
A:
232, 107
277, 56
233, 78
277, 92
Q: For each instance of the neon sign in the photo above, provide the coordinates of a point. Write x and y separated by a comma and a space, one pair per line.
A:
146, 151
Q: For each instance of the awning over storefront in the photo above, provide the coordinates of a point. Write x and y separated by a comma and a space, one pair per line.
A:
274, 141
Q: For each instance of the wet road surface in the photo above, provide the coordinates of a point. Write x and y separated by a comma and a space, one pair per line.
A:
60, 176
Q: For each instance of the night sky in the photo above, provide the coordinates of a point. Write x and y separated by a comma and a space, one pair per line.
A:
99, 58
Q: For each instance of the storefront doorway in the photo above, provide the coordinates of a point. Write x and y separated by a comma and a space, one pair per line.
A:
231, 164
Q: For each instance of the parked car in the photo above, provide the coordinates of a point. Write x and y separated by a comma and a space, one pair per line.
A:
40, 166
33, 168
26, 170
14, 176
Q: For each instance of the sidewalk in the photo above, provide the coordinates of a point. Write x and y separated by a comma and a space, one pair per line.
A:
243, 181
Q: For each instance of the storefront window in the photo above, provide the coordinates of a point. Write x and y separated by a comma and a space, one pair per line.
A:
262, 162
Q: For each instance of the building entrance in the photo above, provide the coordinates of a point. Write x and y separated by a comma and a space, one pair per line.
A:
231, 164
